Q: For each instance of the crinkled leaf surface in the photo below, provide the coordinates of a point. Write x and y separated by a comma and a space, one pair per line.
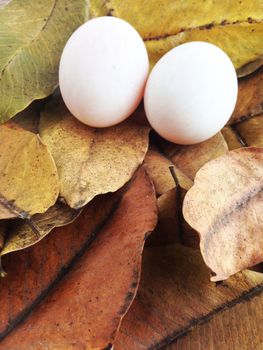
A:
178, 308
236, 27
29, 181
225, 206
32, 37
91, 161
84, 309
24, 233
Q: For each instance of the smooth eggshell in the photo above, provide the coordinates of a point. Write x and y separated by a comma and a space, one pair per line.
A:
103, 71
191, 93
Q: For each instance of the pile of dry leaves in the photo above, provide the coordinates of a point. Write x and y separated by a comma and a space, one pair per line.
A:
103, 191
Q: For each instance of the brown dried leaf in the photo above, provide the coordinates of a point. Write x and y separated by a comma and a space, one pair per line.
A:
24, 233
91, 161
85, 308
225, 206
244, 134
172, 227
157, 166
250, 97
177, 307
189, 159
28, 176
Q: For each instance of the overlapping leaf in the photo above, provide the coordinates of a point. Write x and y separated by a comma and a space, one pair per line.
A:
32, 37
91, 161
85, 309
236, 27
225, 206
28, 176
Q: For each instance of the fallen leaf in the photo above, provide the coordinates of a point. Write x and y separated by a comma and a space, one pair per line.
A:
91, 161
172, 227
189, 159
3, 224
28, 175
157, 166
24, 233
251, 131
83, 309
246, 133
249, 67
235, 27
250, 97
225, 206
177, 307
32, 37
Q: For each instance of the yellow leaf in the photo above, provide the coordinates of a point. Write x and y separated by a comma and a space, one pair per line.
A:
28, 175
91, 161
236, 27
32, 37
225, 206
24, 233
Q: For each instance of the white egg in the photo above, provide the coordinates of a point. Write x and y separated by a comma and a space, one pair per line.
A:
103, 71
191, 93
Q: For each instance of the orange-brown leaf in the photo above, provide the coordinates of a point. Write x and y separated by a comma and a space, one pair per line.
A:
84, 309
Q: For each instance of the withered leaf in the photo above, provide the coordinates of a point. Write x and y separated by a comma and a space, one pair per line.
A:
236, 27
246, 133
190, 159
32, 37
225, 206
28, 176
177, 307
91, 161
157, 166
24, 233
172, 227
84, 310
250, 97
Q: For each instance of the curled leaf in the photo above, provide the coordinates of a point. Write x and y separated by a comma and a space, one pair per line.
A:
91, 161
32, 37
225, 206
24, 233
28, 175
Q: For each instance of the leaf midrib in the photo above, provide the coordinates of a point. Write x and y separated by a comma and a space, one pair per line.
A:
22, 48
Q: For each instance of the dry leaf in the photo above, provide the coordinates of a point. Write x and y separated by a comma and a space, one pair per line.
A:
157, 166
3, 224
28, 175
250, 97
249, 67
32, 37
236, 27
91, 161
177, 307
244, 134
190, 159
172, 227
225, 206
24, 233
84, 310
